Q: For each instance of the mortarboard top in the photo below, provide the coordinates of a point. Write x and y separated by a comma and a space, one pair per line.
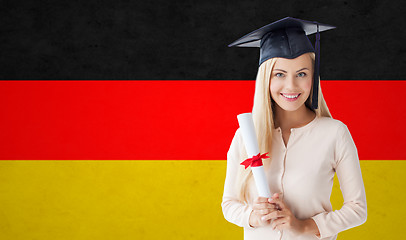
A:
287, 38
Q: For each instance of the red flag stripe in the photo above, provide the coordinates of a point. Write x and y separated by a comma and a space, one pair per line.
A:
173, 119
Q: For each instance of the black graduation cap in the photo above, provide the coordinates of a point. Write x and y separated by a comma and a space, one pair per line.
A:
287, 38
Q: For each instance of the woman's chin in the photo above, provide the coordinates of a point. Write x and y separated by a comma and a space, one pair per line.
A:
291, 107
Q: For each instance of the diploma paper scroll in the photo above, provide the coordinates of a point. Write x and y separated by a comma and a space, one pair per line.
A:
251, 145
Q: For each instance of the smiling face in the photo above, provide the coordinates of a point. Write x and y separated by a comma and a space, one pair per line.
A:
291, 82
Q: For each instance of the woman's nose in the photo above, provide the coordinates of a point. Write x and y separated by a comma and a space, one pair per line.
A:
291, 82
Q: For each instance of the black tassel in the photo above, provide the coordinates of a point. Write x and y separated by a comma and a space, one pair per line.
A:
315, 97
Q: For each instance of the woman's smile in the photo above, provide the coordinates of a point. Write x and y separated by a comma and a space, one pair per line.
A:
290, 97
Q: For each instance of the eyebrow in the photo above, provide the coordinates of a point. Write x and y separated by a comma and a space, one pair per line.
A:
281, 70
302, 69
287, 72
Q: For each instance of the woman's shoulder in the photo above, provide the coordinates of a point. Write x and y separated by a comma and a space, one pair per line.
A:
331, 125
237, 138
237, 133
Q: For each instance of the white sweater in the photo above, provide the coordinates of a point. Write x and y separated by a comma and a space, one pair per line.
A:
303, 171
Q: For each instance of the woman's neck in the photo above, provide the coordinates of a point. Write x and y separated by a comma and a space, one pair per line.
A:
293, 119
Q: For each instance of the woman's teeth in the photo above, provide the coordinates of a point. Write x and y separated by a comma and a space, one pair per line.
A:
291, 96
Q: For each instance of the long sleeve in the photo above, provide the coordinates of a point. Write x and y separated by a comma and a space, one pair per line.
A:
354, 209
234, 210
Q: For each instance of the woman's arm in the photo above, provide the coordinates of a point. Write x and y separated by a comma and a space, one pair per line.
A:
234, 210
354, 209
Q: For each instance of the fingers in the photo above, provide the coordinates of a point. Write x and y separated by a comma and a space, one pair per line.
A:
275, 195
265, 211
266, 205
262, 203
274, 215
273, 211
261, 200
263, 208
278, 202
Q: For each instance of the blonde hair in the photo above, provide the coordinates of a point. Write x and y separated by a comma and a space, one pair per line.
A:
263, 116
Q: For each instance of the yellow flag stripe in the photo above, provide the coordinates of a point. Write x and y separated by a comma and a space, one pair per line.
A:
157, 200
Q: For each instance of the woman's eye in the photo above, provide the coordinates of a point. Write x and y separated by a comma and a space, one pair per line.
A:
279, 75
302, 74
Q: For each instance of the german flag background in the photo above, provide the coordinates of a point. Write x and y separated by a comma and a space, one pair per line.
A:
116, 116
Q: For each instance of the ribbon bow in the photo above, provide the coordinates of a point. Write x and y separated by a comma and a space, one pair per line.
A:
255, 161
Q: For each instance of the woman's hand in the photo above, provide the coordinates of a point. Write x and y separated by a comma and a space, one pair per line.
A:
261, 208
285, 219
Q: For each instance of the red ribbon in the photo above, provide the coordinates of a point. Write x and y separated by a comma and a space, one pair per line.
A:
255, 161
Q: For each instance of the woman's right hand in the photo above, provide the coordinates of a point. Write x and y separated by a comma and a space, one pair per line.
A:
261, 207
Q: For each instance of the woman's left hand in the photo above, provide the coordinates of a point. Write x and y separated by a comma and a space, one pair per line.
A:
285, 219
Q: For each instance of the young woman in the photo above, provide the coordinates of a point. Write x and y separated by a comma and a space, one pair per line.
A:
306, 147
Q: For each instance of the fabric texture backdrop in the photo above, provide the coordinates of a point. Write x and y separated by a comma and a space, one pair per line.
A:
145, 158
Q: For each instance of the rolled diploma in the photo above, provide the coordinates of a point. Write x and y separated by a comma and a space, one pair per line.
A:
251, 145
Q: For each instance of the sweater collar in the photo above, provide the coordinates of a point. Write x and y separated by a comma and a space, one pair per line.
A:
303, 128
